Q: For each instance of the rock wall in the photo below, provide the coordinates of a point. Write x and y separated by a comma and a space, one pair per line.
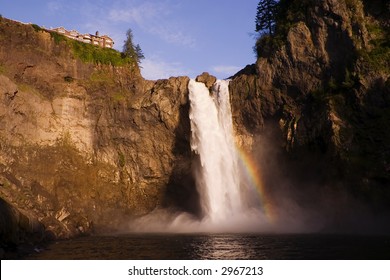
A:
85, 146
326, 106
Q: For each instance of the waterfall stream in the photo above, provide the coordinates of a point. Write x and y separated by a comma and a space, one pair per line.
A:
212, 141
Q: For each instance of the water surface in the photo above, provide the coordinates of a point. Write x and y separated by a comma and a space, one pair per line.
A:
219, 246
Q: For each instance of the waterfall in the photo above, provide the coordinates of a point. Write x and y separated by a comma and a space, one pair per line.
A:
220, 182
216, 170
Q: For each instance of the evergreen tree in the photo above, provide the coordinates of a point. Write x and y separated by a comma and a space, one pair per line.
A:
266, 16
128, 47
139, 53
130, 50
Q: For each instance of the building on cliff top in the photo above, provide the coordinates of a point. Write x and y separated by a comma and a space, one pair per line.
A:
97, 40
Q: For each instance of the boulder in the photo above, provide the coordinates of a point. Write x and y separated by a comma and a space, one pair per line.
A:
207, 79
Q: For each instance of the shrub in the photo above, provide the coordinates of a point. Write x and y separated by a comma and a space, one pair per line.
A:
58, 38
36, 27
121, 159
68, 79
378, 57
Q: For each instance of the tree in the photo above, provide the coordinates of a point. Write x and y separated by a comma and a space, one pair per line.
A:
266, 16
139, 53
130, 50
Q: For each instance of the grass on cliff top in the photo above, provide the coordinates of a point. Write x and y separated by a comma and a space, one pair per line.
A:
90, 53
99, 55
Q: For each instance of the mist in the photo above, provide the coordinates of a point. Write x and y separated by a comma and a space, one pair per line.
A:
302, 194
263, 189
309, 191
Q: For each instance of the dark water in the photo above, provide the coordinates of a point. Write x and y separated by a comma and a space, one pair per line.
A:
219, 246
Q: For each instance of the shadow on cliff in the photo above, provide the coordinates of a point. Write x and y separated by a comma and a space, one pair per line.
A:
18, 232
181, 194
309, 191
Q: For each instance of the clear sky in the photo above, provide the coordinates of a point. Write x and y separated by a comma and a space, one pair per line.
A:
177, 37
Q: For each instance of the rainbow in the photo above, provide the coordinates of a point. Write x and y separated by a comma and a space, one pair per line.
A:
254, 175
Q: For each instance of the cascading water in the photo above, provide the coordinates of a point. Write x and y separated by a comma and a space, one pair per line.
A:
217, 172
212, 140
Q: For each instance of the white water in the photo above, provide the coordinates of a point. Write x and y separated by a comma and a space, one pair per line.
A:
216, 171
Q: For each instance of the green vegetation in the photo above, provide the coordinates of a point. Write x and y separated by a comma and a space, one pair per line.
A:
119, 96
131, 55
104, 80
276, 21
68, 79
266, 16
36, 27
58, 38
291, 12
275, 18
122, 159
99, 55
130, 50
101, 78
2, 69
378, 57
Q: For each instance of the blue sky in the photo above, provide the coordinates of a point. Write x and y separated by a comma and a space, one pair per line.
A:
178, 37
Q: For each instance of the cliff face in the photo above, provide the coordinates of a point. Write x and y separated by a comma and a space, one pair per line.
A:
83, 145
325, 98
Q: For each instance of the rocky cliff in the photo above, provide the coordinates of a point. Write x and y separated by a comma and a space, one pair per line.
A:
322, 91
83, 144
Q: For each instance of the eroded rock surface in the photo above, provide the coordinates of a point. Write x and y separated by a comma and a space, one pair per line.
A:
83, 146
